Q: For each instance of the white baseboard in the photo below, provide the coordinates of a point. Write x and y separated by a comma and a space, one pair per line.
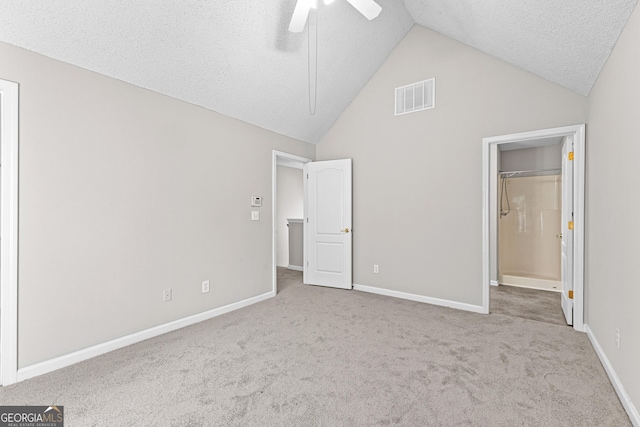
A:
295, 267
420, 298
99, 349
494, 283
615, 381
530, 282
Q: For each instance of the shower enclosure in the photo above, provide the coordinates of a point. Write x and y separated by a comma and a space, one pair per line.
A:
529, 229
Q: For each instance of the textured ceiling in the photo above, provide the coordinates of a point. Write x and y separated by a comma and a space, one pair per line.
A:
236, 57
564, 41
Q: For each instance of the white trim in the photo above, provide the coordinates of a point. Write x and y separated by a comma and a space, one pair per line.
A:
578, 132
289, 158
99, 349
494, 283
613, 377
9, 96
493, 213
420, 298
579, 227
488, 168
295, 267
530, 282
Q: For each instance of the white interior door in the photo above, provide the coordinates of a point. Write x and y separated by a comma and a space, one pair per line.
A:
567, 230
327, 224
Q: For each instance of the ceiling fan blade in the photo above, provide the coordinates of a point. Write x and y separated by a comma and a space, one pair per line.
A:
299, 17
369, 8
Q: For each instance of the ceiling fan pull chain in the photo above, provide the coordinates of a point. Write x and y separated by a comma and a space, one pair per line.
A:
313, 94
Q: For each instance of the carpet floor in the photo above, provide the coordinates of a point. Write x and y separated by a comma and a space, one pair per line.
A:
543, 306
315, 356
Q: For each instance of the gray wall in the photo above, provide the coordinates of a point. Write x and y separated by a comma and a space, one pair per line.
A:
613, 209
417, 178
123, 193
296, 243
290, 205
534, 158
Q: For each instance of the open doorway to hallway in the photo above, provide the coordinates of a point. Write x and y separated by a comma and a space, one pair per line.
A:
288, 209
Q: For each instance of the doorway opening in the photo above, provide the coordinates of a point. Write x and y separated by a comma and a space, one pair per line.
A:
502, 154
530, 210
8, 232
287, 213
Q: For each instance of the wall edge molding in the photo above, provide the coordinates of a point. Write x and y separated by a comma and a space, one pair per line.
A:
117, 343
628, 405
420, 298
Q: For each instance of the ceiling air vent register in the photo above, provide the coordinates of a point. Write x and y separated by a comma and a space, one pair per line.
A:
416, 97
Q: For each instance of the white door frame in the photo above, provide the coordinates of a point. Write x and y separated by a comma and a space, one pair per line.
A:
276, 158
489, 230
9, 232
566, 233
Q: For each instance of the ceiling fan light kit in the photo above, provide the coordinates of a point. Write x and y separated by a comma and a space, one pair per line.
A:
369, 8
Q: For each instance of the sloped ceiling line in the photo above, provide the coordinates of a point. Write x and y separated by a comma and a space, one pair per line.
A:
236, 57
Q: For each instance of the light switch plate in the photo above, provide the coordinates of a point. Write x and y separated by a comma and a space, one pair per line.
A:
255, 215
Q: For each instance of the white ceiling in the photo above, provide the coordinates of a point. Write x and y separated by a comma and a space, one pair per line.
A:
564, 41
236, 57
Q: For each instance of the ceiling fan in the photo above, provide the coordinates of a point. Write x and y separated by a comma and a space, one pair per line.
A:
369, 8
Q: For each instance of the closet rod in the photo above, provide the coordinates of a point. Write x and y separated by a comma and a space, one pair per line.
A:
511, 173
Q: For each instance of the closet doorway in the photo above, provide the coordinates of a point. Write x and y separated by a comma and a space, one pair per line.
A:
530, 211
530, 203
533, 207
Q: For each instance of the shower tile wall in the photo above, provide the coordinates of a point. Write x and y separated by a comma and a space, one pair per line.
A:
528, 242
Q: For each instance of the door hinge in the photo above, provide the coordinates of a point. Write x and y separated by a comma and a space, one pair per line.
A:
570, 155
570, 294
570, 225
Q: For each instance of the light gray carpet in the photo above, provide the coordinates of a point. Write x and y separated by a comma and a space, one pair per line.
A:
543, 306
318, 356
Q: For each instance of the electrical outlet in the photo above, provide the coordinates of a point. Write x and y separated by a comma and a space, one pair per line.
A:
376, 269
618, 337
166, 295
205, 286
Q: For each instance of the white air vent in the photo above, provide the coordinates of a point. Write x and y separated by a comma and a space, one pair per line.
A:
416, 97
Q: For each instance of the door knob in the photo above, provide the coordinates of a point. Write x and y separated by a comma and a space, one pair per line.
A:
346, 230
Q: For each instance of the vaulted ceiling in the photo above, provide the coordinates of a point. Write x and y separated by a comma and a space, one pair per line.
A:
236, 57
